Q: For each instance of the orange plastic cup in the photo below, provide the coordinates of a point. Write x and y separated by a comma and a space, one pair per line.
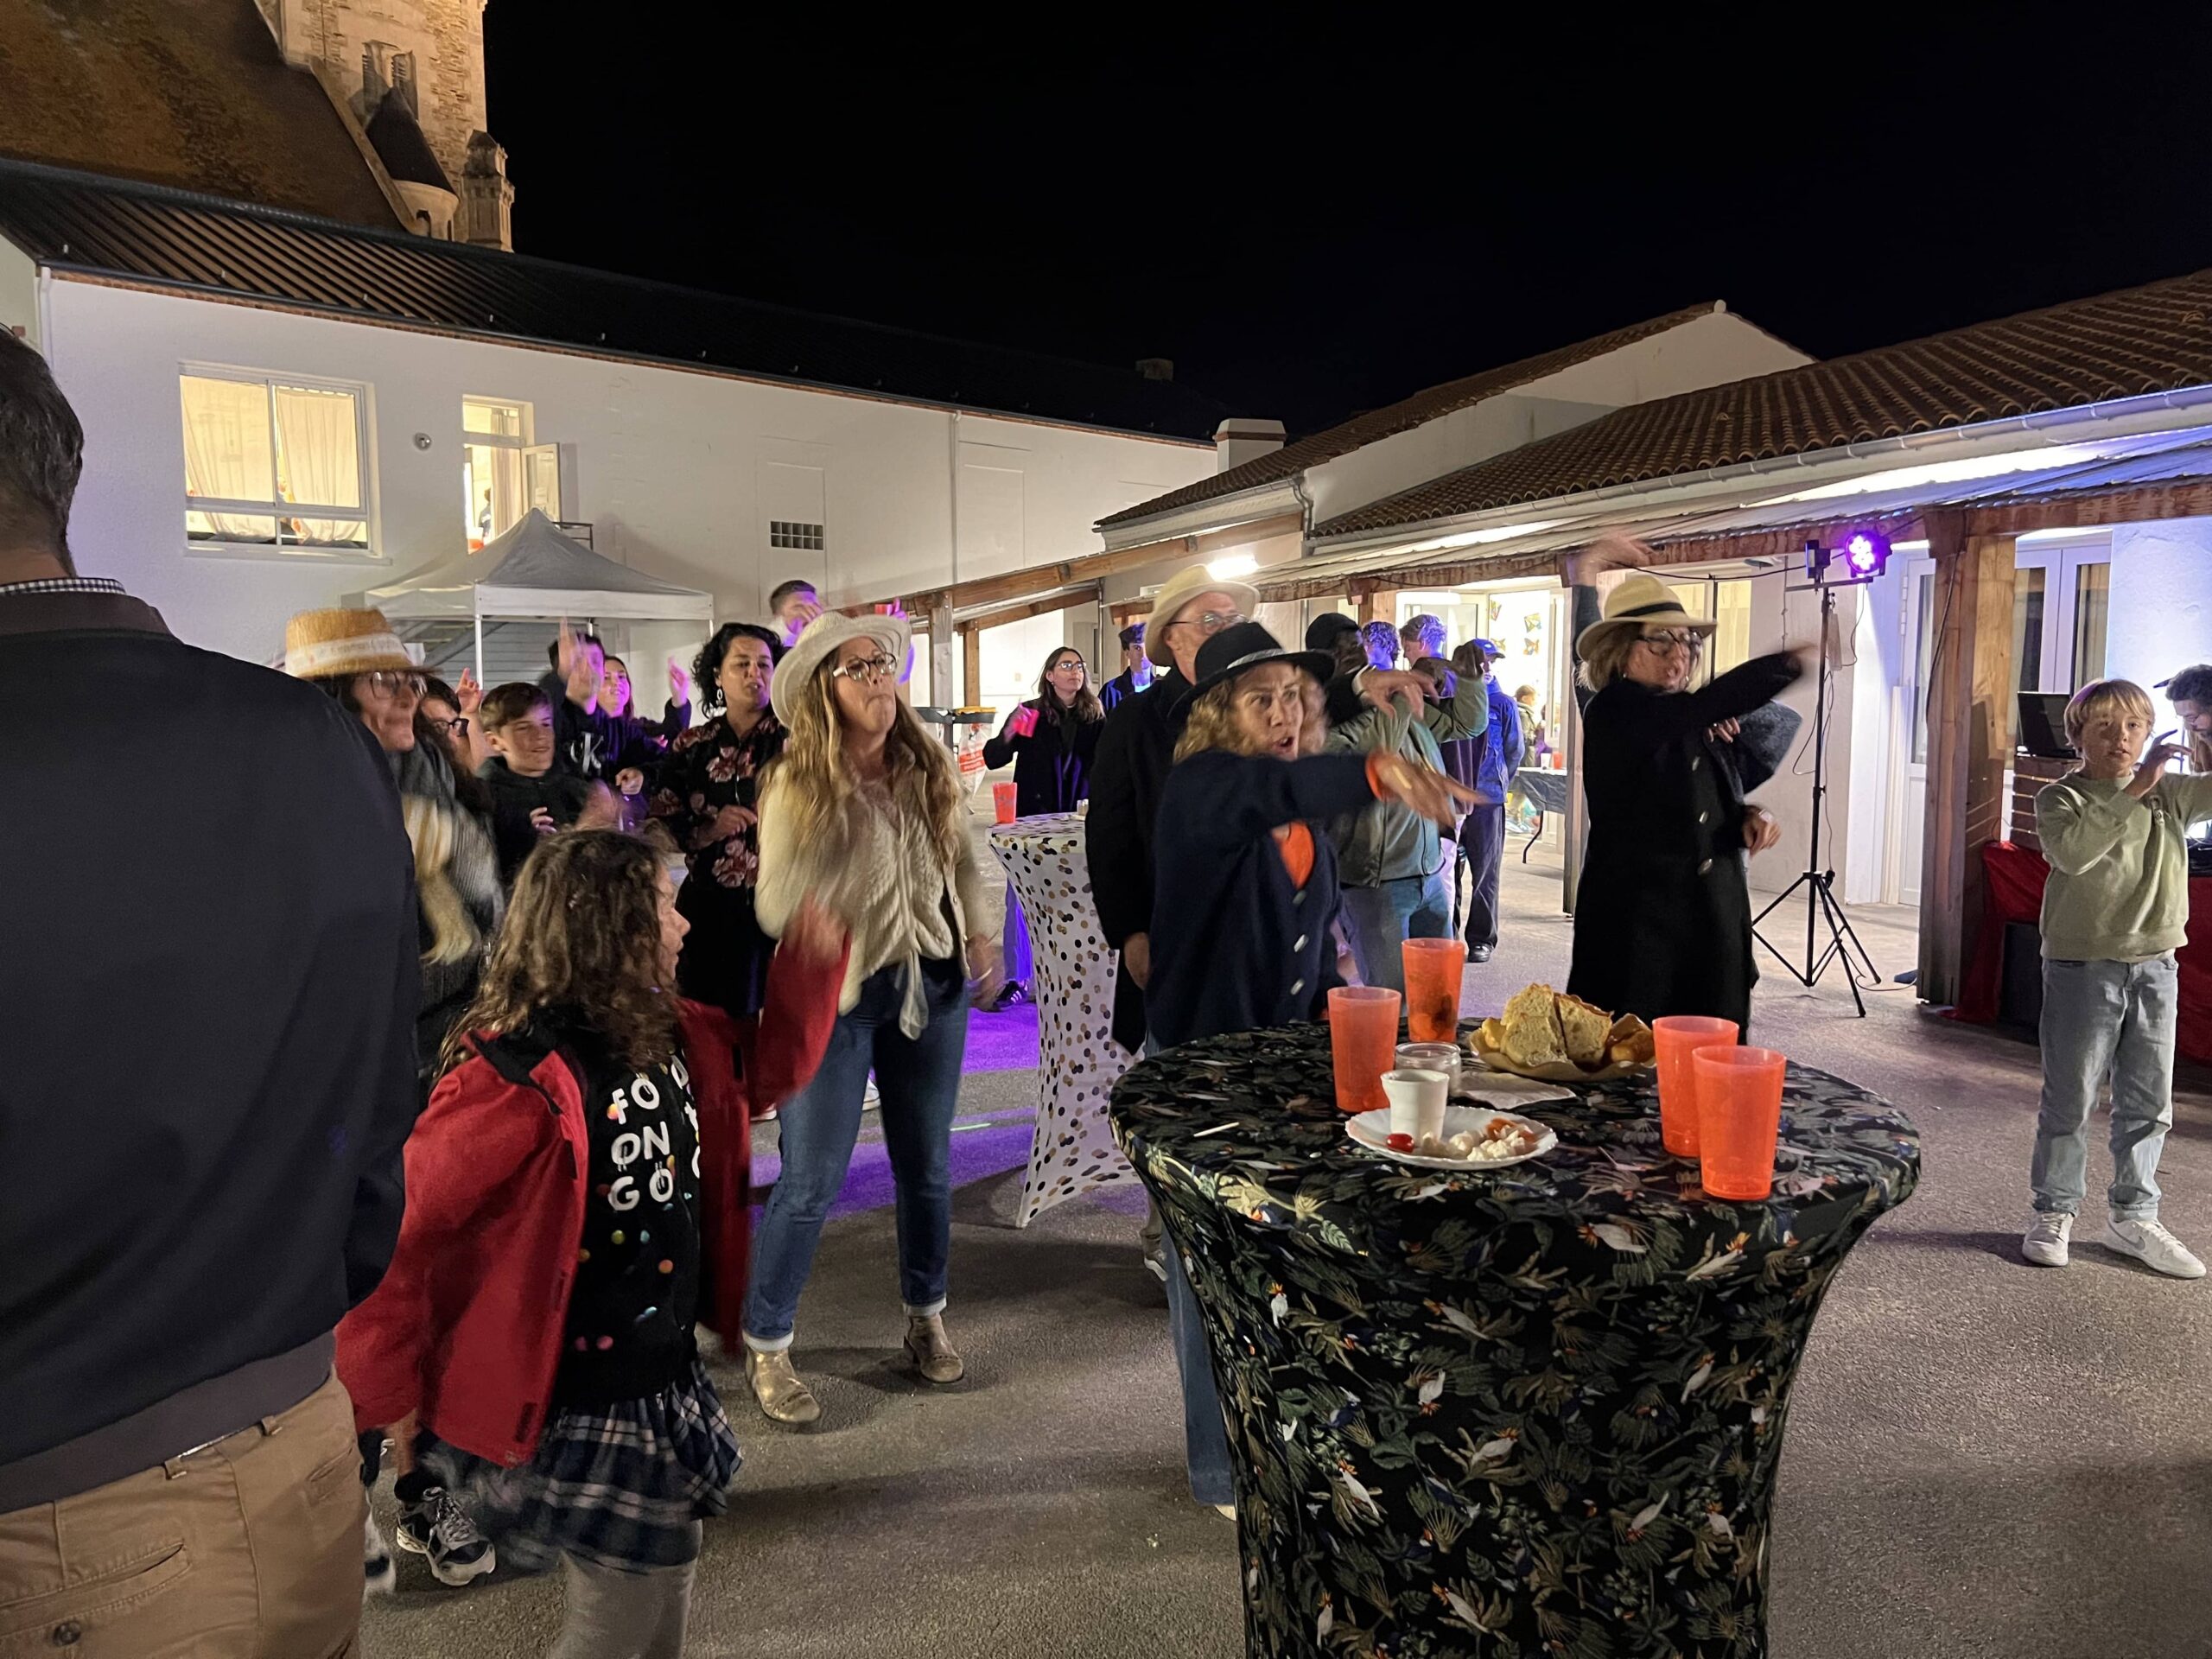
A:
1363, 1044
1002, 801
1433, 968
1739, 1115
1677, 1037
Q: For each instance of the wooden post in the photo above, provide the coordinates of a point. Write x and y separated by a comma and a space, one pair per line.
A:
1970, 699
971, 661
1380, 604
942, 692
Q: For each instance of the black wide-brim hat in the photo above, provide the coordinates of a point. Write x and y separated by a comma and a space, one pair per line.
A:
1249, 645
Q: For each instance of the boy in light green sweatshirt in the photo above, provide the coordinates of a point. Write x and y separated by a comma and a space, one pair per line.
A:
2114, 912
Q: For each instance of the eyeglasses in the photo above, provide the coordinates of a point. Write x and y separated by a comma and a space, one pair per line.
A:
1666, 641
1066, 664
457, 727
861, 670
388, 683
1209, 622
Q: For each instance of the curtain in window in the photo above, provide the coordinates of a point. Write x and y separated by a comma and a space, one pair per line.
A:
321, 459
226, 456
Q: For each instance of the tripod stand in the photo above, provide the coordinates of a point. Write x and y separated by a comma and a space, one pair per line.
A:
1820, 903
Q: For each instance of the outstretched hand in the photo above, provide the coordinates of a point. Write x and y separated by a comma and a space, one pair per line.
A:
1429, 793
679, 684
2164, 752
470, 690
1583, 568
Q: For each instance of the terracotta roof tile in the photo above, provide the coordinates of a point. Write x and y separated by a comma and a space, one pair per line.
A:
1403, 416
2157, 337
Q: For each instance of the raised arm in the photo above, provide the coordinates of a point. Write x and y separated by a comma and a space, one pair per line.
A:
1220, 799
1463, 714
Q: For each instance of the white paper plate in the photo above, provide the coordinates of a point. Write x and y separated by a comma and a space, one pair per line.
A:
1370, 1132
1506, 1089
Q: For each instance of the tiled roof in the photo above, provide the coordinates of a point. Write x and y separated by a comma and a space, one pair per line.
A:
2139, 340
191, 94
1403, 416
166, 240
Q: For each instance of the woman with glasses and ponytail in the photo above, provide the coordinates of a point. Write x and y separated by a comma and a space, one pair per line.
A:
864, 811
1663, 916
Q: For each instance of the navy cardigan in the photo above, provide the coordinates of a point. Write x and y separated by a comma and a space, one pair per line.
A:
1234, 946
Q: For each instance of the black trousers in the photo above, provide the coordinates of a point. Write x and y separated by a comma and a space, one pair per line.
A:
1482, 842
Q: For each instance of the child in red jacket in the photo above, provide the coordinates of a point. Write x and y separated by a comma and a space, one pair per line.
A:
576, 1198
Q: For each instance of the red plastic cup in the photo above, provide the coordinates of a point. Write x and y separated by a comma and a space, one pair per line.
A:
1739, 1117
1363, 1044
1002, 801
1433, 968
1677, 1037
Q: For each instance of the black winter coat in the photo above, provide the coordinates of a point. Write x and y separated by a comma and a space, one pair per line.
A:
1051, 765
1135, 750
1662, 918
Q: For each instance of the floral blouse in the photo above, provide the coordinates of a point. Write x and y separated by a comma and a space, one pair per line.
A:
710, 767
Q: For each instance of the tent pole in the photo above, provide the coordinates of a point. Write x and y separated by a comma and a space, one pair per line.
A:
478, 607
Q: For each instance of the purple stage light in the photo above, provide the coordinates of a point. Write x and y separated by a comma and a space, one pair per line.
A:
1865, 553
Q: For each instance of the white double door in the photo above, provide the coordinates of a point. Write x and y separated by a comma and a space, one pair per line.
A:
2060, 599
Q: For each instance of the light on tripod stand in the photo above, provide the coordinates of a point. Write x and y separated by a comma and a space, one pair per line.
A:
1866, 554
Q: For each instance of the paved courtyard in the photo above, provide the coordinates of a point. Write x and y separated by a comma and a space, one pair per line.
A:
1984, 1459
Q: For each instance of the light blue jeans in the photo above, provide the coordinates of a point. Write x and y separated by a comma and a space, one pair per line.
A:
1205, 1435
1381, 920
2106, 1019
919, 1079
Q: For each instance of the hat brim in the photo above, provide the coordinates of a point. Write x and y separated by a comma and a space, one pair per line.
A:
1157, 621
1318, 664
1588, 639
821, 641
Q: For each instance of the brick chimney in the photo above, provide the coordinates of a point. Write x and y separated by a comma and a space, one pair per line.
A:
1235, 442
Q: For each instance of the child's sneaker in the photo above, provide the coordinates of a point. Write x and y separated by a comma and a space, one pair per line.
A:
378, 1576
440, 1528
2045, 1244
2154, 1246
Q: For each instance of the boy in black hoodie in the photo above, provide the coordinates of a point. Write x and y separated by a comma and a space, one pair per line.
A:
532, 798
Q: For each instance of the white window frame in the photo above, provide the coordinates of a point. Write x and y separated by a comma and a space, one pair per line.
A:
538, 459
364, 460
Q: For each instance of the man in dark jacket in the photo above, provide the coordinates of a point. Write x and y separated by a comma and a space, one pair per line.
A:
207, 1073
1137, 670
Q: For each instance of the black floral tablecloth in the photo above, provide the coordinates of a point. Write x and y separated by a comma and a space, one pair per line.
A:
1532, 1412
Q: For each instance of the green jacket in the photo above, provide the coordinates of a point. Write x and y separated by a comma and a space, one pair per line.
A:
2118, 888
1386, 842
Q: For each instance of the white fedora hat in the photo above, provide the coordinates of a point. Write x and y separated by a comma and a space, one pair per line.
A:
820, 641
1640, 601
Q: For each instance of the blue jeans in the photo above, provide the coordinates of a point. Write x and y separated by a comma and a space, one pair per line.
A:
1381, 920
2104, 1018
919, 1080
1205, 1435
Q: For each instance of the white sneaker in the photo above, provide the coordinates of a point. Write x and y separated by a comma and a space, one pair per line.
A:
2045, 1243
2154, 1246
870, 1099
380, 1577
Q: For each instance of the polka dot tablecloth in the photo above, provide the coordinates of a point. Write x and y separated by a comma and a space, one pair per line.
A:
1077, 1060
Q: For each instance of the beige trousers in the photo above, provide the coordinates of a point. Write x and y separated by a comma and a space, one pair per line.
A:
249, 1548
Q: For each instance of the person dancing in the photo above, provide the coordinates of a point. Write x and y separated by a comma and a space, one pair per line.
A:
864, 810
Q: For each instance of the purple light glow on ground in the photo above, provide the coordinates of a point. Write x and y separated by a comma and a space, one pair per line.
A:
1002, 1042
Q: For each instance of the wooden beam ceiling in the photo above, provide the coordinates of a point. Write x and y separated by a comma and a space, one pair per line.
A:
1007, 613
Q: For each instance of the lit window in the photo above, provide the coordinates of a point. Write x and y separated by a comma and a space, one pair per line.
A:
273, 463
786, 532
503, 473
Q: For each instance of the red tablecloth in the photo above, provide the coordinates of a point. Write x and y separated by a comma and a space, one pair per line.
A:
2016, 881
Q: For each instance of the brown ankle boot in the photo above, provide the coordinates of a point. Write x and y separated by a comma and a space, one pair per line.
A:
931, 1351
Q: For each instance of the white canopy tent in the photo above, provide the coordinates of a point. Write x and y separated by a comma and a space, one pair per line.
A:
535, 572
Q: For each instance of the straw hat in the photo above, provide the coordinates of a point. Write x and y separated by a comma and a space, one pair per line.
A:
821, 641
1640, 601
1182, 588
322, 644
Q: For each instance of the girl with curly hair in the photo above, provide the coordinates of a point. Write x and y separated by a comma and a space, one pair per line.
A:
576, 1201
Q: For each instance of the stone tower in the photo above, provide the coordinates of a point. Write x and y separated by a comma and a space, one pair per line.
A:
425, 59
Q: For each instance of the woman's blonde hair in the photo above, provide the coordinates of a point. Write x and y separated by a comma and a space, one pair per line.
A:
1212, 723
433, 834
1608, 656
816, 786
582, 933
2101, 697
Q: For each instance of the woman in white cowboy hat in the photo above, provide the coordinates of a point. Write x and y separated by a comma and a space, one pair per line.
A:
863, 811
1663, 917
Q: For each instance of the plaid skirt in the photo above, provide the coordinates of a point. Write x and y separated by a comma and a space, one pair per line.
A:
619, 1485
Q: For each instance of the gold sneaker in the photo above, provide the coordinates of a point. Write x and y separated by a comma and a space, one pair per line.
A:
931, 1351
783, 1398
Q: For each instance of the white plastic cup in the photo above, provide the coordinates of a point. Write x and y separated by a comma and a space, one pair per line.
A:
1416, 1101
1431, 1057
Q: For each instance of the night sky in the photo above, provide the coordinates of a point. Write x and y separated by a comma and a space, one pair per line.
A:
1311, 223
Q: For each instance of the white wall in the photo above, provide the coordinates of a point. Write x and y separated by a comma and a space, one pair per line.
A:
678, 473
18, 292
2161, 615
1710, 351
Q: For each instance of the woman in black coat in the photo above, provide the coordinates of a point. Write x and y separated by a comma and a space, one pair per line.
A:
1051, 739
1662, 916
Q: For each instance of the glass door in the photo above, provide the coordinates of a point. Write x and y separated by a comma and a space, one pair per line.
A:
1910, 788
2062, 600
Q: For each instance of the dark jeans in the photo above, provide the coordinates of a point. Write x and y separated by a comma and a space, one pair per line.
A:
1482, 842
919, 1080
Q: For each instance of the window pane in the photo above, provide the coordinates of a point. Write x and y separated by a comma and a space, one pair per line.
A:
318, 447
499, 420
2092, 606
2028, 597
497, 496
1924, 655
324, 532
228, 454
228, 527
1732, 641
